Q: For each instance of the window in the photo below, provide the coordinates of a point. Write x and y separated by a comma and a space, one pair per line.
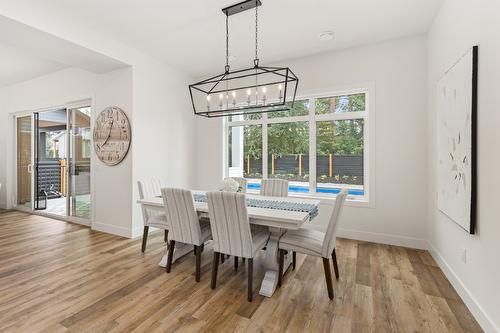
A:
320, 146
245, 151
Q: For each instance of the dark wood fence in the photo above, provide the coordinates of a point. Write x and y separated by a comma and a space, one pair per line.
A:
336, 168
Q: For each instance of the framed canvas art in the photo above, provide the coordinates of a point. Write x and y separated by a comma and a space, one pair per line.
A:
456, 130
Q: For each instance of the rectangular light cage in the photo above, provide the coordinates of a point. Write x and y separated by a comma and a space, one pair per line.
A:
252, 90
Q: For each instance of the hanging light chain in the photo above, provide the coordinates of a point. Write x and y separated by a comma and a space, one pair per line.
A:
227, 44
256, 60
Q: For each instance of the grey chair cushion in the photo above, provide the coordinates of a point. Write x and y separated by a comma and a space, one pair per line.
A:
308, 241
183, 221
158, 221
313, 241
231, 227
206, 232
152, 217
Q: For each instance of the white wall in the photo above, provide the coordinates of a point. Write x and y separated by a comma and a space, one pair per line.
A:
459, 25
4, 193
163, 136
398, 69
112, 191
162, 120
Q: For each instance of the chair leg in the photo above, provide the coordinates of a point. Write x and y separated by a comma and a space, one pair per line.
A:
202, 247
243, 259
328, 277
250, 279
335, 266
280, 271
144, 238
222, 258
235, 263
165, 236
294, 259
198, 264
170, 256
215, 266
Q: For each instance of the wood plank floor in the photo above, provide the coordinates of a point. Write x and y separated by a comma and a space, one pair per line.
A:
58, 277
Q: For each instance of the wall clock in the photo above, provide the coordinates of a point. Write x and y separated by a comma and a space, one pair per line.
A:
111, 135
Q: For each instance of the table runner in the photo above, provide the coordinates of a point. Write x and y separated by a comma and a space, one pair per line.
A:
311, 209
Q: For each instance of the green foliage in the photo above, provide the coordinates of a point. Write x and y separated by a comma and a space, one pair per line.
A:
343, 137
340, 137
300, 108
253, 141
339, 104
288, 138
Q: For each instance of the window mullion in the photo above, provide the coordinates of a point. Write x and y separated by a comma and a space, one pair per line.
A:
312, 146
264, 146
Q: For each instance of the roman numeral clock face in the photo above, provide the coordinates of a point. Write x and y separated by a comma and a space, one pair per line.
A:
111, 135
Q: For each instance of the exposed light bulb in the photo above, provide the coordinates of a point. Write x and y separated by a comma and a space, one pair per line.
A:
234, 98
249, 92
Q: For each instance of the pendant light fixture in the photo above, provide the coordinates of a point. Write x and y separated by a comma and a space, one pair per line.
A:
256, 89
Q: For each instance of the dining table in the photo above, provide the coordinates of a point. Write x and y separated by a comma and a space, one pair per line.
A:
279, 214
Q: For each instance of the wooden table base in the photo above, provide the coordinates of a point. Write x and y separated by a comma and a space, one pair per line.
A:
270, 280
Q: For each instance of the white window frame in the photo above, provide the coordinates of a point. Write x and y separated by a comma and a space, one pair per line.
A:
368, 116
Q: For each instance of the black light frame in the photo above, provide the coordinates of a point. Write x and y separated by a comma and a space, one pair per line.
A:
285, 76
284, 79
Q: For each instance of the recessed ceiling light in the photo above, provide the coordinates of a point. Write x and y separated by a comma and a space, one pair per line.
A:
326, 36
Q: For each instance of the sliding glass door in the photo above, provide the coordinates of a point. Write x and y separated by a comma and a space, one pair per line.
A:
79, 162
51, 156
24, 168
53, 162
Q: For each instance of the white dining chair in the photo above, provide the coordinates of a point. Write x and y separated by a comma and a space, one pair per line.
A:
152, 218
315, 243
232, 234
242, 182
274, 187
184, 223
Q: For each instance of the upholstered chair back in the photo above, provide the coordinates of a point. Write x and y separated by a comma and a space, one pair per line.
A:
333, 224
148, 189
229, 223
184, 224
274, 188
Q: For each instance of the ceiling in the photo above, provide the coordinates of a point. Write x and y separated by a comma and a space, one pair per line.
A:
26, 53
17, 66
189, 34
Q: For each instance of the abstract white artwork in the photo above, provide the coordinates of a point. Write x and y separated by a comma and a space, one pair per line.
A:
456, 109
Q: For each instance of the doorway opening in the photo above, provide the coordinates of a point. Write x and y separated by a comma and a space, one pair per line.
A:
54, 162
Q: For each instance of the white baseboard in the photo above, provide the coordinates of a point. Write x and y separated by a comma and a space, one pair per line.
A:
389, 239
477, 311
119, 231
112, 229
138, 231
